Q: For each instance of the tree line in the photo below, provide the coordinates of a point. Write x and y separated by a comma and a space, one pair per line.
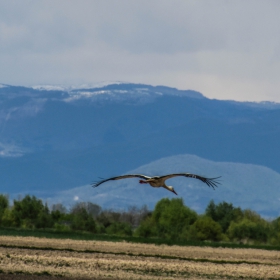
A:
171, 219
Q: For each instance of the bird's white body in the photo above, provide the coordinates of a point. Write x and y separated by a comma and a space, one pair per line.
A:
157, 182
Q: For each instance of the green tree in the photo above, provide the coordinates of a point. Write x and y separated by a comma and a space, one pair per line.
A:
253, 217
170, 219
248, 230
174, 218
25, 212
223, 213
108, 217
104, 219
275, 232
59, 208
91, 208
205, 228
44, 219
82, 220
134, 215
4, 204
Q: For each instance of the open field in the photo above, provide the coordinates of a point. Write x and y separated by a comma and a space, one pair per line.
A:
41, 258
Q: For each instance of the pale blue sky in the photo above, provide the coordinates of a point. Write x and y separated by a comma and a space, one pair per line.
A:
224, 49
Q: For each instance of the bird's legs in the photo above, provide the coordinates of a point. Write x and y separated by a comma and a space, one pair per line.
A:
143, 182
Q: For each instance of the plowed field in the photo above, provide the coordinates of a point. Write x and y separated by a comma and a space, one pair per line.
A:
41, 258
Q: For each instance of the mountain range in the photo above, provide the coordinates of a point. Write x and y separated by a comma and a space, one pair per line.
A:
55, 141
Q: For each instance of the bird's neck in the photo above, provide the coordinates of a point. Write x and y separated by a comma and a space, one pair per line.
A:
168, 188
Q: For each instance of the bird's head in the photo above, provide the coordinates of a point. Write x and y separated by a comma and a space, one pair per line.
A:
173, 190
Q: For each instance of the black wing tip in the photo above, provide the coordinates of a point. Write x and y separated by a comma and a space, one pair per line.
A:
94, 185
97, 183
212, 182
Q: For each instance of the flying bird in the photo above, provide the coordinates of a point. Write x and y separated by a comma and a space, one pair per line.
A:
159, 181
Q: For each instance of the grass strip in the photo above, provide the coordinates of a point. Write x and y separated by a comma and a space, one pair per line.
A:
78, 235
27, 273
172, 273
152, 272
133, 255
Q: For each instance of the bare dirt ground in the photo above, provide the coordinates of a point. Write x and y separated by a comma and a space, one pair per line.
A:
40, 258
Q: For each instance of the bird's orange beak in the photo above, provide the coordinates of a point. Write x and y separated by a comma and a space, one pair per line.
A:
174, 192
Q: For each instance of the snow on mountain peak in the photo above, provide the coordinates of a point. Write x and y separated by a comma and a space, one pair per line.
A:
73, 87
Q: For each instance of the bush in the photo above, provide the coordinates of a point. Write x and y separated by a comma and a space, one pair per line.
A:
205, 228
117, 228
7, 218
246, 229
146, 228
61, 227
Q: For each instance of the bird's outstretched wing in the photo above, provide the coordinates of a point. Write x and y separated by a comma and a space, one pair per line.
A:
96, 184
211, 182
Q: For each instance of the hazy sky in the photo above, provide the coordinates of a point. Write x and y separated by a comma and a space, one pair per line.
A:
224, 49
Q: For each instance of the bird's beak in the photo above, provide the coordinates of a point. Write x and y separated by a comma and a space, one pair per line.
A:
174, 192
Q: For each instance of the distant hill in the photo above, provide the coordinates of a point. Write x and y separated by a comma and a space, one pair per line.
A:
245, 185
58, 138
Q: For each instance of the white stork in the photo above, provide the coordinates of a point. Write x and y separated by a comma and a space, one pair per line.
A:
159, 181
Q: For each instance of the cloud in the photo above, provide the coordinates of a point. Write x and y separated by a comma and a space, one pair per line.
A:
11, 150
226, 50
